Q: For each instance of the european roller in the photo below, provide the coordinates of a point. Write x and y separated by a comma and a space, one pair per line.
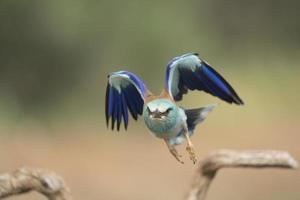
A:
162, 116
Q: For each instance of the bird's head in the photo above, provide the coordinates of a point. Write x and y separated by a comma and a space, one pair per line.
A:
160, 109
160, 115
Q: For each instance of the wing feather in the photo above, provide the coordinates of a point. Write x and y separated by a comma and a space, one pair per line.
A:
125, 91
190, 72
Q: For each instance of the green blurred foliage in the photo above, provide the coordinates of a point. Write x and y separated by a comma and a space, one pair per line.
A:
54, 55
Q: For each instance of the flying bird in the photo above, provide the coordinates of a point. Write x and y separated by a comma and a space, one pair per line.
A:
163, 117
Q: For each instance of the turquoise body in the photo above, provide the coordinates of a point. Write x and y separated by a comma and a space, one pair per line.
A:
176, 122
166, 127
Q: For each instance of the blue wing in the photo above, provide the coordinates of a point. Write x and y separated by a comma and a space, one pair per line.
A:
125, 91
190, 72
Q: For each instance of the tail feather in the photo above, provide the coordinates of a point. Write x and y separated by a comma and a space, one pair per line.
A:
197, 115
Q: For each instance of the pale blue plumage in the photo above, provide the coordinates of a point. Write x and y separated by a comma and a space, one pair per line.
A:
176, 122
164, 126
125, 91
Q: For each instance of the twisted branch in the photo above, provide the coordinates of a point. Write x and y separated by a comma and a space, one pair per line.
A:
209, 166
24, 180
53, 187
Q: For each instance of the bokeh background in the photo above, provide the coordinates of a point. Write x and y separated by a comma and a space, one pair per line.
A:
54, 59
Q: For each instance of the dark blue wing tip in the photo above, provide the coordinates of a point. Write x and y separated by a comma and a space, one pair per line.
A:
224, 90
236, 100
239, 102
119, 102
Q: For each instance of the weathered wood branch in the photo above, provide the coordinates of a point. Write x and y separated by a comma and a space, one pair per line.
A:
53, 187
210, 165
25, 179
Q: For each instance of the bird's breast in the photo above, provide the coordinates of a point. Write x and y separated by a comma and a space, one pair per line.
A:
159, 127
164, 128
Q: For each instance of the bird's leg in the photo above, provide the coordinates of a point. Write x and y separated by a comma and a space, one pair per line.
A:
173, 151
189, 147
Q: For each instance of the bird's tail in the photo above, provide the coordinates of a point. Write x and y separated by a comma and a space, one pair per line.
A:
197, 115
194, 117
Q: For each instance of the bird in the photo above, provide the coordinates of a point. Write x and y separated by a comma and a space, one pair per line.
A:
127, 93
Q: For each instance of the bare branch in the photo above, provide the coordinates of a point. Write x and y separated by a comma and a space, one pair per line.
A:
27, 179
228, 158
53, 187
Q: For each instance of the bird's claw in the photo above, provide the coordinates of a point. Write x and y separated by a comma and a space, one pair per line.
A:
179, 160
192, 154
174, 152
176, 155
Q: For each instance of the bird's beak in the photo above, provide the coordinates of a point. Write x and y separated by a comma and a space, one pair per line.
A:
156, 114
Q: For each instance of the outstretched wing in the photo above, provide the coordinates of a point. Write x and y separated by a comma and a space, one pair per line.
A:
125, 91
190, 72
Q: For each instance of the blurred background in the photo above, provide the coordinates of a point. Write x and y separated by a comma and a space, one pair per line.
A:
54, 59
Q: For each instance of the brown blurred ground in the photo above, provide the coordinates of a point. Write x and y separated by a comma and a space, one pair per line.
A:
98, 164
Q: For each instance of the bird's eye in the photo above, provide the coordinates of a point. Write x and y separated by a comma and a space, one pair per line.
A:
166, 112
169, 109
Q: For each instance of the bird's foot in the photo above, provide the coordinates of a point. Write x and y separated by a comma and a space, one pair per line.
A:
174, 151
192, 154
176, 155
190, 148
